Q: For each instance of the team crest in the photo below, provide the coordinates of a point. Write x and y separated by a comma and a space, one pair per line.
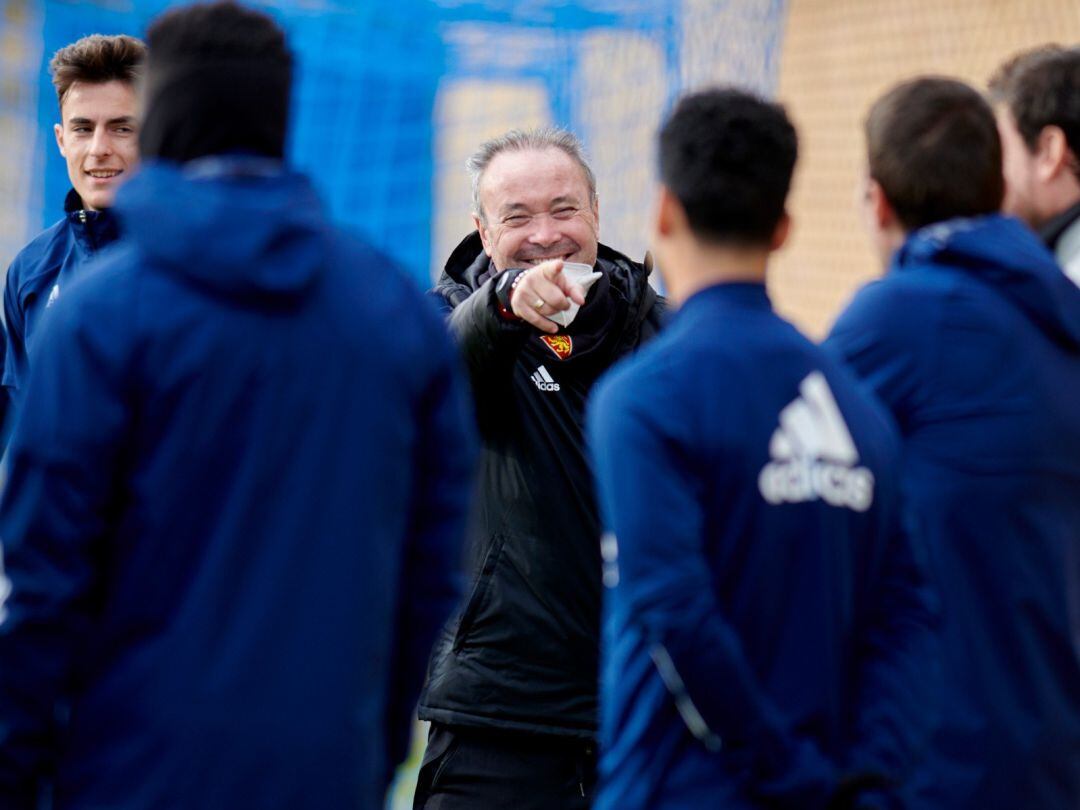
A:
561, 345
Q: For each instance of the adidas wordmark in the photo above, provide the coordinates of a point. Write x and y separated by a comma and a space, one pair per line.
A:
813, 455
543, 380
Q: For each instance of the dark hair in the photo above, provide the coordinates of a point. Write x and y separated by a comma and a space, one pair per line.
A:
96, 59
933, 147
728, 156
1041, 88
217, 81
219, 30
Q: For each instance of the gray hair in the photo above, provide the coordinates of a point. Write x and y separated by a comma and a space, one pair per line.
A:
519, 140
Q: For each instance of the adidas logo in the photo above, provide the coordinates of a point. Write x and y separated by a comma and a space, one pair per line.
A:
543, 380
813, 455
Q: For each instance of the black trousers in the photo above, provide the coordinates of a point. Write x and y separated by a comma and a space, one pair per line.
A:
477, 769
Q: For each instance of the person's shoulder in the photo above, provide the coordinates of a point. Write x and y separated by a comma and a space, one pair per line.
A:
368, 265
40, 256
853, 395
898, 303
381, 293
651, 377
911, 285
110, 283
100, 309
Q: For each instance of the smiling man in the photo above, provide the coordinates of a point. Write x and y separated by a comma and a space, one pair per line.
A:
98, 137
1036, 97
512, 691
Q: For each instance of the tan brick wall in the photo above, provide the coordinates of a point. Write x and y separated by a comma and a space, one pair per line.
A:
837, 57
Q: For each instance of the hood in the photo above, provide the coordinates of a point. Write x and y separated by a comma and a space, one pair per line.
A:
241, 227
1005, 254
468, 266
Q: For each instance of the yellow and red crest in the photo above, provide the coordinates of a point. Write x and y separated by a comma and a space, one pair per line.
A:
561, 345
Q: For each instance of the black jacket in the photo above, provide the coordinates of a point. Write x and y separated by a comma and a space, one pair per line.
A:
523, 651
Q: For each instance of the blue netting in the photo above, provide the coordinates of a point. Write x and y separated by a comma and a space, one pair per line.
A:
391, 96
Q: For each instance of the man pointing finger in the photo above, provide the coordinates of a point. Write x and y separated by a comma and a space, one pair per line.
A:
543, 291
540, 309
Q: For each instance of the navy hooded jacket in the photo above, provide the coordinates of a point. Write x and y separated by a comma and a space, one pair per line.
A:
972, 340
768, 635
232, 522
49, 263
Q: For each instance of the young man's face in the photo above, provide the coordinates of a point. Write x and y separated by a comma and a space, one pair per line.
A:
537, 207
1019, 167
98, 138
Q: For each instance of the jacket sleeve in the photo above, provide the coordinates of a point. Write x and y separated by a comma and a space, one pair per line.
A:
899, 679
489, 343
876, 337
54, 515
431, 579
649, 497
14, 331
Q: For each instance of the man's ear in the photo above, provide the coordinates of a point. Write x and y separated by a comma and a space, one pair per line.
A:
482, 230
781, 233
58, 131
880, 210
670, 214
1052, 153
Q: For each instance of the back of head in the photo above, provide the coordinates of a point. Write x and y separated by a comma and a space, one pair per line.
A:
728, 157
218, 81
1041, 88
933, 147
96, 59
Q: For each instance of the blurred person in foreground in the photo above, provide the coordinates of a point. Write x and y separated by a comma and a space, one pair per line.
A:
1036, 97
513, 681
98, 137
972, 341
769, 633
236, 492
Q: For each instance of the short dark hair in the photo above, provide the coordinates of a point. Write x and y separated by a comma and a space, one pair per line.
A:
217, 30
1041, 88
727, 156
96, 59
933, 147
218, 80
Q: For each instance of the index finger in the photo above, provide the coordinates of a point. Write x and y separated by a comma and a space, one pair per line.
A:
571, 289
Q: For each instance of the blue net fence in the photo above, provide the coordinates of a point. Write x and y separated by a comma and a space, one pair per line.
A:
392, 97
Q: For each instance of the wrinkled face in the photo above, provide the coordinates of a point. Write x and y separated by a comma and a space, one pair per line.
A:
536, 206
98, 139
1019, 168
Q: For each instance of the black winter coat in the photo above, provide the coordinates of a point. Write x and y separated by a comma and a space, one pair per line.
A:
522, 652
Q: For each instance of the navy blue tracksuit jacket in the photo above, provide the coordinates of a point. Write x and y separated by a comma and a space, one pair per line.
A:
972, 340
47, 265
231, 526
768, 636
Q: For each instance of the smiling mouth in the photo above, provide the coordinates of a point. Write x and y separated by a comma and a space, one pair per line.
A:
538, 259
104, 174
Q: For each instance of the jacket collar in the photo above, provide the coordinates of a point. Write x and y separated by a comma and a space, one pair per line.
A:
93, 230
1052, 231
